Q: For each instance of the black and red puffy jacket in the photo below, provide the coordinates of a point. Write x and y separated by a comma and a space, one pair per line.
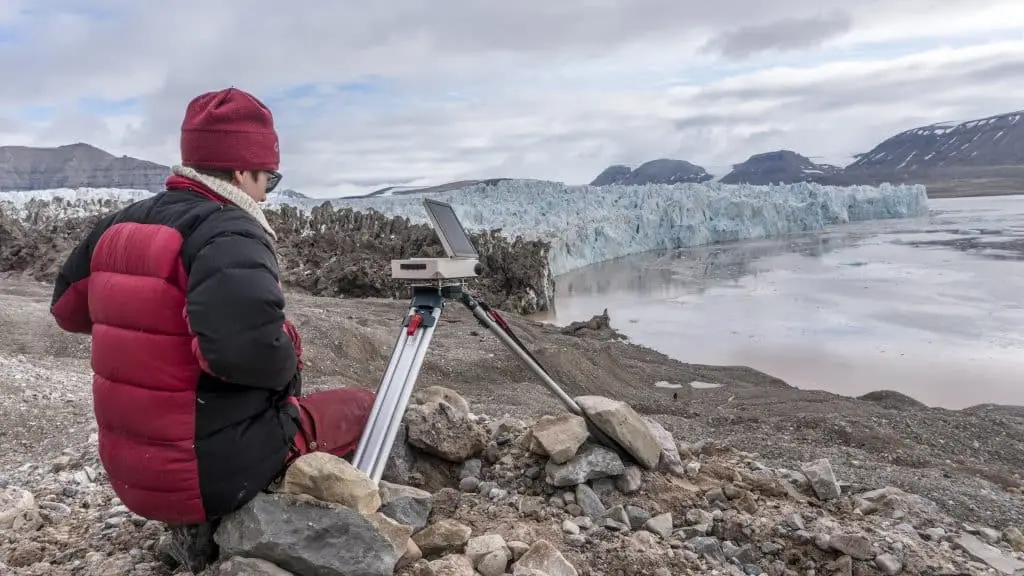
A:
193, 368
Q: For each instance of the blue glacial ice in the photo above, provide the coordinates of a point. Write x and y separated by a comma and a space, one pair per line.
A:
587, 224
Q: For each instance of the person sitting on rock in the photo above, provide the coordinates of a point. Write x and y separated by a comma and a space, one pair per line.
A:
197, 372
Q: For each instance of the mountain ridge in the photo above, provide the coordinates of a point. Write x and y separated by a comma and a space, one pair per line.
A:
783, 166
77, 165
981, 156
659, 171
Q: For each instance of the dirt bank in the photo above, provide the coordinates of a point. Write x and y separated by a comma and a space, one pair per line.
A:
969, 462
329, 252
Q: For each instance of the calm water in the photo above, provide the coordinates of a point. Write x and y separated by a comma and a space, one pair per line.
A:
932, 307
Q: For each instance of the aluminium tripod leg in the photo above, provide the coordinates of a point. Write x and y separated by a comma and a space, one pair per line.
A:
489, 323
398, 382
481, 315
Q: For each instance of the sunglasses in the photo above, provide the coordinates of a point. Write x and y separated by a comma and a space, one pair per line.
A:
273, 179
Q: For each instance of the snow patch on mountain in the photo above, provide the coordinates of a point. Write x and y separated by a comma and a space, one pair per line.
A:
589, 224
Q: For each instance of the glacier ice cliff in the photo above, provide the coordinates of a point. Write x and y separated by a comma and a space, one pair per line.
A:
586, 224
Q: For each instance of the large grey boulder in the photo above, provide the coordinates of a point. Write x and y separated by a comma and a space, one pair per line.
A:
620, 421
306, 536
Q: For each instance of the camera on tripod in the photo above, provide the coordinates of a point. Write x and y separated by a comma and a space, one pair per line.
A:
435, 281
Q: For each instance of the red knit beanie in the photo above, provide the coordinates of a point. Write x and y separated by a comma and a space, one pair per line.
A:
229, 130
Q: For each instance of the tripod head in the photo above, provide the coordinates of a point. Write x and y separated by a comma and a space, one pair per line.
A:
462, 261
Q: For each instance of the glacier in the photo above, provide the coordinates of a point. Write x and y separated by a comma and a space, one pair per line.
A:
586, 224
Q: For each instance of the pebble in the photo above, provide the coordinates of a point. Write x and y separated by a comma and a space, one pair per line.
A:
469, 484
889, 564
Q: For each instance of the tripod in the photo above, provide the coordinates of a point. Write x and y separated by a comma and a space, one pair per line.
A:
435, 281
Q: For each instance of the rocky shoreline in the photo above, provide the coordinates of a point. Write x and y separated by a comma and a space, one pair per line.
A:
916, 490
504, 496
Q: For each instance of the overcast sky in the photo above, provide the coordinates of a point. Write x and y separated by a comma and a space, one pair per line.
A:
368, 94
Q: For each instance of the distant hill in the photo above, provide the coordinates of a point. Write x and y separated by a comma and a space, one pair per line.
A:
781, 166
76, 166
975, 157
289, 194
660, 171
405, 190
993, 141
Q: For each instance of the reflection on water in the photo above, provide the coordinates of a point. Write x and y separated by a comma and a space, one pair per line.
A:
932, 307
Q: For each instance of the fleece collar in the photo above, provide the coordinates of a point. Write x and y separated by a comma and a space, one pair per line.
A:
229, 192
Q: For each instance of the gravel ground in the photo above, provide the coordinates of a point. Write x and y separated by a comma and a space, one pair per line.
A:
968, 461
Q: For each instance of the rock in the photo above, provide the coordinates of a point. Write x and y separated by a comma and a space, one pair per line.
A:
494, 564
405, 504
1015, 538
401, 463
619, 515
452, 565
589, 502
14, 502
239, 566
26, 554
332, 479
896, 503
692, 468
823, 480
708, 547
630, 481
990, 535
544, 557
480, 546
442, 537
593, 461
660, 525
855, 545
531, 506
471, 468
442, 394
305, 536
439, 429
613, 525
637, 516
624, 425
670, 461
469, 484
517, 548
561, 436
27, 521
412, 554
889, 564
118, 565
444, 503
843, 566
988, 554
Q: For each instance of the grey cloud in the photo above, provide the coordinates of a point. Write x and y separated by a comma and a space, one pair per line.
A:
149, 46
901, 83
451, 45
781, 35
831, 118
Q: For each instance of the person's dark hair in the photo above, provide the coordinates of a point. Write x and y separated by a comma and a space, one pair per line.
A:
226, 175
